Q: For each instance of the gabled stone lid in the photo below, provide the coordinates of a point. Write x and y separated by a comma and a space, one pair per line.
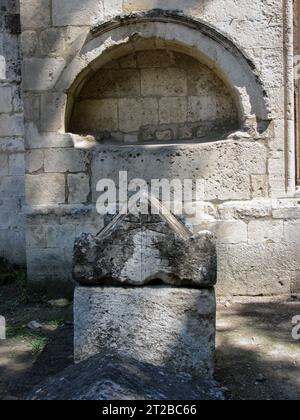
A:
139, 250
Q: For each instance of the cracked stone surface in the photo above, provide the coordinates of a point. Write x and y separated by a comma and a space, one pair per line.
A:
118, 377
139, 250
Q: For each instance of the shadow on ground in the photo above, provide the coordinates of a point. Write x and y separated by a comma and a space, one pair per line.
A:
257, 359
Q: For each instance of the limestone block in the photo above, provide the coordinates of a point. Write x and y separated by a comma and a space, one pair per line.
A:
113, 83
11, 125
156, 59
76, 12
35, 140
36, 236
229, 232
134, 113
53, 112
261, 231
292, 231
34, 161
96, 116
118, 377
12, 183
29, 43
11, 144
35, 13
31, 107
60, 236
17, 164
164, 135
202, 108
41, 74
3, 165
63, 42
164, 82
260, 186
5, 99
2, 67
79, 188
10, 61
172, 110
65, 160
178, 323
40, 263
45, 189
224, 166
136, 251
113, 8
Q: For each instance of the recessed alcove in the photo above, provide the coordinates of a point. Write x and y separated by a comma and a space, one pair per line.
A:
154, 96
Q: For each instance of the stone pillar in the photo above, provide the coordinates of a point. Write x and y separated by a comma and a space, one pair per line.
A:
147, 291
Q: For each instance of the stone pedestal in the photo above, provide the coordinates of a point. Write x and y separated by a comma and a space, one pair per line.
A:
161, 325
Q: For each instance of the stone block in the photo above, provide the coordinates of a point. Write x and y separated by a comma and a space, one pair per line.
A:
260, 186
260, 231
35, 13
53, 112
45, 189
29, 43
172, 110
164, 82
35, 140
156, 59
292, 232
40, 74
96, 116
229, 232
113, 83
60, 236
139, 250
17, 164
3, 165
76, 12
11, 145
65, 160
11, 125
12, 183
113, 8
36, 236
79, 188
137, 112
178, 323
34, 161
116, 377
5, 99
202, 108
224, 166
62, 42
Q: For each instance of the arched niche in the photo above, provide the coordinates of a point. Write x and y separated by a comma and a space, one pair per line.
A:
155, 31
154, 96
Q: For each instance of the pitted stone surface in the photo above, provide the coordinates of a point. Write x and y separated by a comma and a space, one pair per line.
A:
138, 250
118, 377
162, 325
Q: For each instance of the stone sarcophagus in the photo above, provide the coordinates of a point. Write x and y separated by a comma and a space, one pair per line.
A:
146, 289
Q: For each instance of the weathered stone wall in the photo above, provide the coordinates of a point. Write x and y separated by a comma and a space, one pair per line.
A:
12, 161
157, 96
245, 175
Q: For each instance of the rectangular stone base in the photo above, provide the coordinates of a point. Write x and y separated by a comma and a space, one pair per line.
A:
161, 325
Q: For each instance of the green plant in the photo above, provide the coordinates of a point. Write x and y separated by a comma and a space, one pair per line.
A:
38, 344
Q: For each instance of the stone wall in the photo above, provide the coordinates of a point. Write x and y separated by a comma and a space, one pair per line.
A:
12, 161
154, 95
245, 173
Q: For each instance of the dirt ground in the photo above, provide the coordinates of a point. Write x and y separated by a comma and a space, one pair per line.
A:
257, 359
